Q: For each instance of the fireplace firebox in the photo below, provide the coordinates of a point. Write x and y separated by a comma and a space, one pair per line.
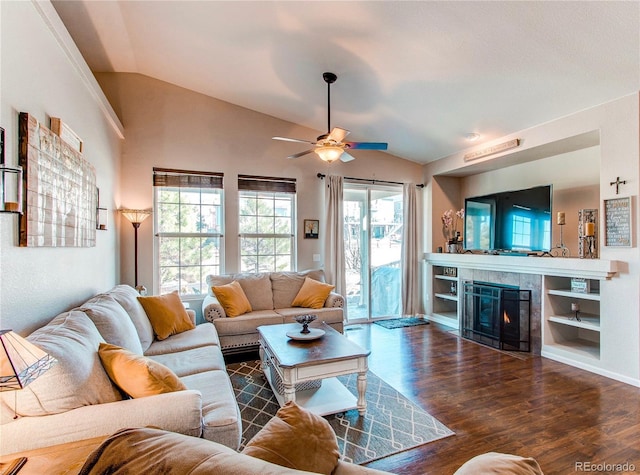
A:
496, 315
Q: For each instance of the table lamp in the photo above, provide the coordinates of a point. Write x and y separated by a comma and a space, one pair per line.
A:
21, 363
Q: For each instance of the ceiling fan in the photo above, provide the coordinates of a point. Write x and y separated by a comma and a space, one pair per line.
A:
330, 146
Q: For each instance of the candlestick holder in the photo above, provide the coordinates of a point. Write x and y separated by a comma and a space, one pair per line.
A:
561, 249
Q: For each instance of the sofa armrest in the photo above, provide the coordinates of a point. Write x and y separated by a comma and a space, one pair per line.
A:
179, 411
334, 300
192, 315
212, 309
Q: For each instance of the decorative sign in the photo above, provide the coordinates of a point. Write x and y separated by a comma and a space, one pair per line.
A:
580, 285
491, 150
618, 222
60, 190
450, 271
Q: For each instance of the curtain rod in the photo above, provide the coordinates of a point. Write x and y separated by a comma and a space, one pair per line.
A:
373, 181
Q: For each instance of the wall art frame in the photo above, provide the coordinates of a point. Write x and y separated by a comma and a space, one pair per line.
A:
618, 225
311, 228
59, 196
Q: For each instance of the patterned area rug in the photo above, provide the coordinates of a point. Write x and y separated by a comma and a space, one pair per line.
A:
401, 322
392, 423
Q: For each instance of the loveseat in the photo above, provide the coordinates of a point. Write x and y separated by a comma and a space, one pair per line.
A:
270, 295
76, 399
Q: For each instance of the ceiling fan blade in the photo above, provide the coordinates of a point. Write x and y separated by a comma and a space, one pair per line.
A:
345, 157
367, 145
338, 134
300, 154
293, 140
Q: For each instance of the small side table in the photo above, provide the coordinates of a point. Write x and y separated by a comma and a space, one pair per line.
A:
63, 459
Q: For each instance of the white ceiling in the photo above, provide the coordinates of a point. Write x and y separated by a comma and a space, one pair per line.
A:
416, 74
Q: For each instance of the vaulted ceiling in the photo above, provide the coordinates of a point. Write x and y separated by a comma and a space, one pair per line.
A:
419, 75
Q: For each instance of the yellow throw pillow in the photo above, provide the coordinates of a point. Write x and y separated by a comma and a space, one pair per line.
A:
312, 294
136, 375
297, 439
166, 314
232, 298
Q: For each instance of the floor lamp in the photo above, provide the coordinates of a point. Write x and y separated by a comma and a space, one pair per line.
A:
136, 216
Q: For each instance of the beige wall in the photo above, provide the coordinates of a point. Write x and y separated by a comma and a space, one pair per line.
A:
546, 148
168, 126
40, 75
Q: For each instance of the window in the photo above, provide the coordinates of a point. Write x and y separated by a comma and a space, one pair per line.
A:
189, 229
266, 223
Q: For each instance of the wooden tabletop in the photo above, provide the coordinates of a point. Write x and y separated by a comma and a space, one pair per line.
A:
332, 346
63, 459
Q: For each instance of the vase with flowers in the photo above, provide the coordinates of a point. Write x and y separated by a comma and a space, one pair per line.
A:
450, 221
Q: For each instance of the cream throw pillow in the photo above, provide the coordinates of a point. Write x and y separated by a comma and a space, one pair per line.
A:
166, 314
297, 439
500, 464
232, 298
136, 375
312, 294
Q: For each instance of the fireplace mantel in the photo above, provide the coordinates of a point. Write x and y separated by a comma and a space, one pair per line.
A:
559, 266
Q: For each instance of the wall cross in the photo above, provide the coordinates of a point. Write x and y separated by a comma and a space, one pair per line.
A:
618, 183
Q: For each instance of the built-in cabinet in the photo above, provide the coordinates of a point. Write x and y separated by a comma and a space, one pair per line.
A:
595, 341
445, 286
572, 326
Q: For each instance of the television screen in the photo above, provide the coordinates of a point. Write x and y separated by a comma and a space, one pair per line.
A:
517, 220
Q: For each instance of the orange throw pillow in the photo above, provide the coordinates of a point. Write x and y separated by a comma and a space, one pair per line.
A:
166, 314
232, 298
136, 375
297, 439
312, 294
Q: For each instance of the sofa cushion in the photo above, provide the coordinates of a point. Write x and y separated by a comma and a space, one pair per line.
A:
127, 296
196, 360
137, 375
232, 298
286, 285
128, 451
247, 323
113, 322
500, 464
298, 439
78, 379
166, 314
203, 334
257, 288
312, 294
326, 315
221, 420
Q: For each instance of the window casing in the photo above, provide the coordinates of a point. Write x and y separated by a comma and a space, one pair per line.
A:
266, 217
189, 229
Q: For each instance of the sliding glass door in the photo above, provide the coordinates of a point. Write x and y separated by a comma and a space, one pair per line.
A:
372, 245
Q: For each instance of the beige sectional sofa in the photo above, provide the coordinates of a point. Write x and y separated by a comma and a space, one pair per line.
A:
270, 295
76, 400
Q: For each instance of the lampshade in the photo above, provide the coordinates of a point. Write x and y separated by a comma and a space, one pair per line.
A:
136, 216
21, 362
329, 153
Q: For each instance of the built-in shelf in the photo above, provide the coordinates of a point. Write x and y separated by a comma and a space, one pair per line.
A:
559, 266
575, 295
588, 322
582, 349
452, 297
446, 277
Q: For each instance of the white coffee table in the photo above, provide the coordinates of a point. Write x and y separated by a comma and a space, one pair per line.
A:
296, 362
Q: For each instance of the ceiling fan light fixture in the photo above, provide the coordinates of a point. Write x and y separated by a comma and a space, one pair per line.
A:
329, 153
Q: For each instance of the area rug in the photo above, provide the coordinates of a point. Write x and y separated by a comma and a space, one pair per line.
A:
401, 322
392, 423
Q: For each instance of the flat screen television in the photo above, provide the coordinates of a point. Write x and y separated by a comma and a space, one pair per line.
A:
514, 221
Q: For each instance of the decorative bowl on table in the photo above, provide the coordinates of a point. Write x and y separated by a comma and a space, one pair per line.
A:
305, 320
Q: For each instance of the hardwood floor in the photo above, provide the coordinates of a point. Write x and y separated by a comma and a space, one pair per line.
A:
495, 401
